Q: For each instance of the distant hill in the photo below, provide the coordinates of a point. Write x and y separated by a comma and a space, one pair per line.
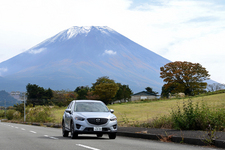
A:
7, 100
78, 56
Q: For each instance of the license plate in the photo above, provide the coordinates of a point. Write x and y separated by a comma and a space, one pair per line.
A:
97, 128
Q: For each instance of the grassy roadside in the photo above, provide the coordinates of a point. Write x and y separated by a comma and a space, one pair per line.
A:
139, 113
57, 113
144, 111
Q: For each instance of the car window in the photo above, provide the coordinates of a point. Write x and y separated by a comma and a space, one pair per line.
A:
70, 105
90, 107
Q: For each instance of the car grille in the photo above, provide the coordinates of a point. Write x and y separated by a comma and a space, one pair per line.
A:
97, 121
91, 130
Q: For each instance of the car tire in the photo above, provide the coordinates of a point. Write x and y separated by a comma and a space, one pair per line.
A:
74, 135
112, 135
99, 135
64, 132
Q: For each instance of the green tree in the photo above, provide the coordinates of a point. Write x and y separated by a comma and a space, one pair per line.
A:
105, 88
149, 89
103, 79
20, 108
185, 77
82, 92
38, 95
123, 93
165, 91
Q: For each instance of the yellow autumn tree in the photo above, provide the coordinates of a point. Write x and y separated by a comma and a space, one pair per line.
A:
184, 77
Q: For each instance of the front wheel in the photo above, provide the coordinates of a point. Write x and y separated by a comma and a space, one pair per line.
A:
64, 132
112, 135
74, 135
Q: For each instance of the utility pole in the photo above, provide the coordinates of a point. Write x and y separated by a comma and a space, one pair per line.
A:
24, 107
5, 109
22, 98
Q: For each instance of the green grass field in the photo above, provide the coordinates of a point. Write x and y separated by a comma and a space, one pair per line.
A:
145, 111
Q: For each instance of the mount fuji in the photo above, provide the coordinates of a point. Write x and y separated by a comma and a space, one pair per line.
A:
78, 56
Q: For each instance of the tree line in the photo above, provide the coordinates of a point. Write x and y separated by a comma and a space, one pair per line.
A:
178, 77
104, 89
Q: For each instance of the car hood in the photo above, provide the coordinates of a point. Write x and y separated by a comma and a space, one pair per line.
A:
95, 114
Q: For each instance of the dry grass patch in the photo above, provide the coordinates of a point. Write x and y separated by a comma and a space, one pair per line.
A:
145, 111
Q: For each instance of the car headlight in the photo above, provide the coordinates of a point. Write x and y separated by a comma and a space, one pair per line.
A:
113, 119
79, 118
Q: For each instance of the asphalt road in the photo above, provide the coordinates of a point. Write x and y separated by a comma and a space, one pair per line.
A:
27, 137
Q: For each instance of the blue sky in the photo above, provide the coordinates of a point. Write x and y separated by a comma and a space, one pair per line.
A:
179, 30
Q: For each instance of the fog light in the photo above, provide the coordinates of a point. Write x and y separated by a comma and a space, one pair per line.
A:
78, 126
114, 126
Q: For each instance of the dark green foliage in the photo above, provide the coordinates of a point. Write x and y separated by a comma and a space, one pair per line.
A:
195, 117
38, 95
123, 93
104, 79
19, 107
105, 88
9, 114
189, 118
149, 89
2, 113
165, 91
82, 92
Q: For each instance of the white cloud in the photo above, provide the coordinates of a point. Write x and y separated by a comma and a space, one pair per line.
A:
36, 51
3, 70
109, 52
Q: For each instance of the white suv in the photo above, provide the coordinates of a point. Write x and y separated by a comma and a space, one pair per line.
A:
89, 117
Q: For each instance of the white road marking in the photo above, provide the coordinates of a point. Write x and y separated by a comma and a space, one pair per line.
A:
16, 127
33, 132
22, 129
53, 138
88, 147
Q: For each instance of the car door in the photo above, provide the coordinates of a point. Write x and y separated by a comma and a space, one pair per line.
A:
68, 116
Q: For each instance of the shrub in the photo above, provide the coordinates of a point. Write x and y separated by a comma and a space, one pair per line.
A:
39, 114
9, 114
16, 115
190, 117
2, 113
20, 108
195, 117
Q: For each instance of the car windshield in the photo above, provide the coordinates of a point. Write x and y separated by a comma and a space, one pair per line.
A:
90, 107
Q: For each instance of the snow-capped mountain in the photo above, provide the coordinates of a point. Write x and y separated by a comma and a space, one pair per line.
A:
78, 56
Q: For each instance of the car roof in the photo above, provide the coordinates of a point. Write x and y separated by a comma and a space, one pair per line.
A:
87, 101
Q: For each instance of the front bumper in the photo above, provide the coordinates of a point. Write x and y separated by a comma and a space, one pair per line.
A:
86, 128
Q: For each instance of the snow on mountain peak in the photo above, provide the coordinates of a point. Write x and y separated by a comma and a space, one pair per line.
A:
75, 30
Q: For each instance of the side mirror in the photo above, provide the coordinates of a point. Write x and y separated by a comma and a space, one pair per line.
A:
111, 110
68, 111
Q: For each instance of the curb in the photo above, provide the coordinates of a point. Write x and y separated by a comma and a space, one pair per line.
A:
191, 141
